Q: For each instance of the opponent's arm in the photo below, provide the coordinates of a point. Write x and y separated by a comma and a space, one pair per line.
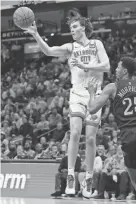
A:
55, 51
108, 92
102, 66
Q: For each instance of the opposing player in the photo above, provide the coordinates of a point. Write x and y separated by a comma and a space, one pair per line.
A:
123, 92
90, 53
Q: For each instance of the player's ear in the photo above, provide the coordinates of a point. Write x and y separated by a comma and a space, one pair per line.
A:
125, 71
83, 28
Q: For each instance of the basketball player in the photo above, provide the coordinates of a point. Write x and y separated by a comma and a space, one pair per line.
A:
89, 52
124, 108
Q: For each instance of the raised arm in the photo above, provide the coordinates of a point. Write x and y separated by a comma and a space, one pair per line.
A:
55, 51
108, 92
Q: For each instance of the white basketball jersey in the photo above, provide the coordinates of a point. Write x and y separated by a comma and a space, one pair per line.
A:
87, 55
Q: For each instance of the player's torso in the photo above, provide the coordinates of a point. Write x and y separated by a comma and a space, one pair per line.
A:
124, 105
87, 55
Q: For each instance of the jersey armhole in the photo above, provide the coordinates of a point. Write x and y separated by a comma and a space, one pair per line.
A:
97, 51
71, 51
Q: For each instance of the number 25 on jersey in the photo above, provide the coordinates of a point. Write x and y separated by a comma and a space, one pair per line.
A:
131, 106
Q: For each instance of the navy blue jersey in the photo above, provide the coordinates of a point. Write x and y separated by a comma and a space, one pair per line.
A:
124, 105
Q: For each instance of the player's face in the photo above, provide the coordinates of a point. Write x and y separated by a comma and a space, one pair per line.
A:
76, 30
120, 71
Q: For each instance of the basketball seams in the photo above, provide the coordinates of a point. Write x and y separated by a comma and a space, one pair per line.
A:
24, 16
22, 19
25, 19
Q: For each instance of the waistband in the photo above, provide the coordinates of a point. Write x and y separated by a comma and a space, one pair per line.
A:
99, 90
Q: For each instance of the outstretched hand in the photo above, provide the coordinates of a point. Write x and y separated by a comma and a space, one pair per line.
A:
32, 29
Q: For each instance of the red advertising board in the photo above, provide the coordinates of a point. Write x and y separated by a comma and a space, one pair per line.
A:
27, 180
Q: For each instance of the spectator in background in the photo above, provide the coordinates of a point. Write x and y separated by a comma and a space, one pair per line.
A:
47, 152
38, 151
20, 152
29, 153
111, 120
114, 137
63, 150
114, 176
98, 165
59, 133
64, 74
3, 149
43, 125
54, 118
43, 143
101, 152
6, 143
12, 150
54, 151
111, 151
2, 136
14, 130
99, 137
6, 128
26, 129
66, 109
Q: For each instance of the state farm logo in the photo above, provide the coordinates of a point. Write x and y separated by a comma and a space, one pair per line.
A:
13, 181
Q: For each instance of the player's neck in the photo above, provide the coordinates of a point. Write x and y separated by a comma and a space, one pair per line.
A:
83, 41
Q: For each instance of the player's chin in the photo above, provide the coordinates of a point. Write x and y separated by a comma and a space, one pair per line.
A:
74, 38
117, 76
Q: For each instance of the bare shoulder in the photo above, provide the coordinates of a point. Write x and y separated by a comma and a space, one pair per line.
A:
68, 46
99, 43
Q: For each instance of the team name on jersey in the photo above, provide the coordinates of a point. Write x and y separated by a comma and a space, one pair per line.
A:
126, 90
85, 55
85, 52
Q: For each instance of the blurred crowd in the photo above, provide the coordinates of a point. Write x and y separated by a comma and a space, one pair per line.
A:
35, 119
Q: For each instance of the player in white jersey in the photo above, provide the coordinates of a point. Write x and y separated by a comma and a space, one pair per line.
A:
87, 58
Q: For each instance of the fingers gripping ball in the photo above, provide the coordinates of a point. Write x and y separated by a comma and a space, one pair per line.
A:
23, 17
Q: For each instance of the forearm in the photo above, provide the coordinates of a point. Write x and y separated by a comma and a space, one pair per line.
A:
101, 67
94, 105
43, 45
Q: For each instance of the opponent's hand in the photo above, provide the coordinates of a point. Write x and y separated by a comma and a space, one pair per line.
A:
92, 86
32, 29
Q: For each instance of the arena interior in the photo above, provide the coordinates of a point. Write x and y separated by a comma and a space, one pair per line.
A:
35, 104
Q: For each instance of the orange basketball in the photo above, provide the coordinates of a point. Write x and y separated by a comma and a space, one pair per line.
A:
23, 17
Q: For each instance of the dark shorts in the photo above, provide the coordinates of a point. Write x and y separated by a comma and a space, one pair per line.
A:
128, 141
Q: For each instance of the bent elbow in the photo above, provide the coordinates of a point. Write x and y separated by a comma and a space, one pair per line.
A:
49, 52
92, 110
107, 66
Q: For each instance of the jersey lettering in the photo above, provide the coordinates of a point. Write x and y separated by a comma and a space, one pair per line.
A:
124, 105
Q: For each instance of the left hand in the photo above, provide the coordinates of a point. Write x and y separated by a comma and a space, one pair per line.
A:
77, 63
